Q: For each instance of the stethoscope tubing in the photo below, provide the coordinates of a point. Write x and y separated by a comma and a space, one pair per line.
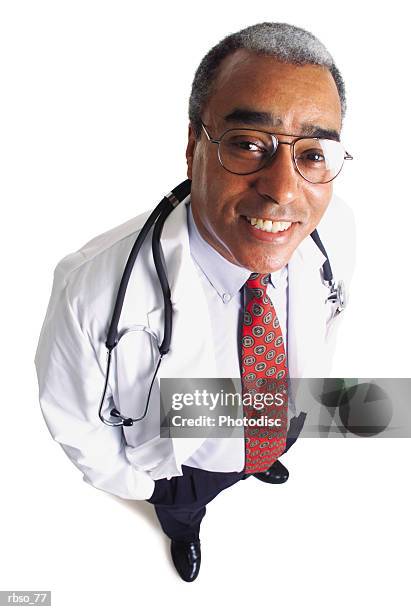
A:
158, 218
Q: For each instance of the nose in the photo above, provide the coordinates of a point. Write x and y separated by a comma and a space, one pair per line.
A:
279, 180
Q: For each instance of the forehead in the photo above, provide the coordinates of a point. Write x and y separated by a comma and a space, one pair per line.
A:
295, 95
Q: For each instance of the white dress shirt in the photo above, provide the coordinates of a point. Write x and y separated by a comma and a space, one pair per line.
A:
223, 283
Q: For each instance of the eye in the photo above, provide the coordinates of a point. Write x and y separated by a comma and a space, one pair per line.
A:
253, 147
246, 143
311, 156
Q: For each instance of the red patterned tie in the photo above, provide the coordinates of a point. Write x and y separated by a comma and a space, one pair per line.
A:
264, 363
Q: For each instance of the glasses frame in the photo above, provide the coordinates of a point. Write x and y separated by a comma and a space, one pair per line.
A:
276, 143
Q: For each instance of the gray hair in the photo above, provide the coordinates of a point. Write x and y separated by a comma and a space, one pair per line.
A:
283, 41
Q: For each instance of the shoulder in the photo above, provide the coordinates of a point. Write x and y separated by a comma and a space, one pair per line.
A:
99, 249
338, 214
89, 277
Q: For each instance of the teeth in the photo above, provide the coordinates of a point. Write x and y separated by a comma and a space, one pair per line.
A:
269, 226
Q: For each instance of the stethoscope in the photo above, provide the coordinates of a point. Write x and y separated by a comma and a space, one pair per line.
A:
157, 218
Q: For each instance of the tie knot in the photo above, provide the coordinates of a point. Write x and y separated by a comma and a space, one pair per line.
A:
258, 281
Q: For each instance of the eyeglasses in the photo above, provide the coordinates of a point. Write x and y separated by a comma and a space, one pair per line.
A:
244, 151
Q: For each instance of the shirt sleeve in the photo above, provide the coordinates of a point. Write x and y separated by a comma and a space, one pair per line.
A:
71, 382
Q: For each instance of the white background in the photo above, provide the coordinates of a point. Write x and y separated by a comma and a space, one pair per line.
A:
93, 115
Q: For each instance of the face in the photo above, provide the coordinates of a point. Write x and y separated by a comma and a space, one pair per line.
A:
293, 100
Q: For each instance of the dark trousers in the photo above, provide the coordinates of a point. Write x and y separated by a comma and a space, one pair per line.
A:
180, 503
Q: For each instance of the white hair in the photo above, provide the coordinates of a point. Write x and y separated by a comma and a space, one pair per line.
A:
283, 41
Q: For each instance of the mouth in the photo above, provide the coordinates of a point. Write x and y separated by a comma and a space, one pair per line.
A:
269, 230
268, 225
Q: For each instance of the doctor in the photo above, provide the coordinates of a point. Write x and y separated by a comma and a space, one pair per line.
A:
256, 196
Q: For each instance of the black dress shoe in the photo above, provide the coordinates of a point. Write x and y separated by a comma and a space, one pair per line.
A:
186, 558
276, 474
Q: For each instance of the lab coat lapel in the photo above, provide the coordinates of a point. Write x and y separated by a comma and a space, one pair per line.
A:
307, 311
192, 352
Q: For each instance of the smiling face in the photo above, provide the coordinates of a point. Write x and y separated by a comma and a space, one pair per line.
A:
280, 98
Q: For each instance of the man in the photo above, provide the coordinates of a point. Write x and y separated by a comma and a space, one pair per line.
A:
266, 112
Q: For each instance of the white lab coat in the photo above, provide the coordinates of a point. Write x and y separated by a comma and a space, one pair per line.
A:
71, 355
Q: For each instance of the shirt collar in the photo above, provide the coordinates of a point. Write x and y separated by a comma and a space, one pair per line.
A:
226, 278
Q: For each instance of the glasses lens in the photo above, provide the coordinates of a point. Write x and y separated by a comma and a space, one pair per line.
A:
319, 160
245, 151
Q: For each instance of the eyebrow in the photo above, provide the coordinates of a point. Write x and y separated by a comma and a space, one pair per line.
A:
253, 117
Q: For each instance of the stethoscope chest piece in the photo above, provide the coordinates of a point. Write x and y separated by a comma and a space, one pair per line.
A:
337, 297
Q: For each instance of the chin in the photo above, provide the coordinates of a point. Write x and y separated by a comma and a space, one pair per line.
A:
262, 263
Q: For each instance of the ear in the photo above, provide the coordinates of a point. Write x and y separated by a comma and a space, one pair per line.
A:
190, 151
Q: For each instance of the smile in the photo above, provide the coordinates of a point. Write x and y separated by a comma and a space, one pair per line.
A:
267, 225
